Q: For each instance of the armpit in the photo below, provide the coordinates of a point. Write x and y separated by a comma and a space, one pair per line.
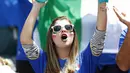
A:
31, 50
97, 42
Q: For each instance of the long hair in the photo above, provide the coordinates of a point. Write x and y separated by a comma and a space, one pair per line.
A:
53, 65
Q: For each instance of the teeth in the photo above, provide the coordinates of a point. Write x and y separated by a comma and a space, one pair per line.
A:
64, 40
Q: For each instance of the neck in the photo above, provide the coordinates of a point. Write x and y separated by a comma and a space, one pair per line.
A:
63, 52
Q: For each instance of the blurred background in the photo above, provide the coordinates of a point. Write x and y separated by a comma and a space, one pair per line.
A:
12, 16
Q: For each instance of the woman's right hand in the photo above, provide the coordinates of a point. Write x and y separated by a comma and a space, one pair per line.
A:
38, 4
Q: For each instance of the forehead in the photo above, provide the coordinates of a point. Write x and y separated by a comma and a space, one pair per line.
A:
62, 22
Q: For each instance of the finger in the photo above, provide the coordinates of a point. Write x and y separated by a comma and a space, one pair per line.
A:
119, 13
123, 14
115, 9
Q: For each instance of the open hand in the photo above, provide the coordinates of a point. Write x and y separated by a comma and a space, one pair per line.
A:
121, 16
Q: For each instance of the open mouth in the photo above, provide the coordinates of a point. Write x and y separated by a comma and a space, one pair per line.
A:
64, 37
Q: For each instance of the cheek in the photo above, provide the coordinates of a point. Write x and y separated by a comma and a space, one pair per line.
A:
71, 34
53, 36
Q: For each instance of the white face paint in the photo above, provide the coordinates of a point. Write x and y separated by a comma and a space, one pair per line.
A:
63, 38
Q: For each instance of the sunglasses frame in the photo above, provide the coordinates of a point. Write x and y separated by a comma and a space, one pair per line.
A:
61, 28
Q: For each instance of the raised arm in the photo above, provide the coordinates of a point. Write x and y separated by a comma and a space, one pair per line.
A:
30, 48
97, 41
26, 34
123, 60
102, 15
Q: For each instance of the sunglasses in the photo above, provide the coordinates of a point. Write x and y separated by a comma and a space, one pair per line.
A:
57, 28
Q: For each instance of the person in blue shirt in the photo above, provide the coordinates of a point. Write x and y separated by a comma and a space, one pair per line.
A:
12, 17
109, 64
122, 58
62, 54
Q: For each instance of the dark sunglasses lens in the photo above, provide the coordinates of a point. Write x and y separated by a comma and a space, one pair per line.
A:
68, 27
57, 28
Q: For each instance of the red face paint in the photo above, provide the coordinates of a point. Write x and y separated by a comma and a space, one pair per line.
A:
71, 34
53, 36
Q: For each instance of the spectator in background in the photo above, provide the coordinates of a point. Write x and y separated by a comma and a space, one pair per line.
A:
123, 60
6, 66
114, 39
12, 17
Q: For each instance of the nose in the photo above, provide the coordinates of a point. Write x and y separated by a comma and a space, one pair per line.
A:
63, 31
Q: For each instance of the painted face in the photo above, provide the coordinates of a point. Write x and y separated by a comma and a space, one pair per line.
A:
62, 34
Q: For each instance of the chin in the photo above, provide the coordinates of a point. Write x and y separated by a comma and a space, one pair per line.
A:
68, 44
63, 45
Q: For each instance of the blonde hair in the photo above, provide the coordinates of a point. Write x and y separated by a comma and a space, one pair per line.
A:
7, 62
4, 61
52, 55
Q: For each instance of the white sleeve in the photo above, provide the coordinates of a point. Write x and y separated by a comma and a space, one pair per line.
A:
32, 51
97, 42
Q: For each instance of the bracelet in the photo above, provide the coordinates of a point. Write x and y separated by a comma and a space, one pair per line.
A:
102, 1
